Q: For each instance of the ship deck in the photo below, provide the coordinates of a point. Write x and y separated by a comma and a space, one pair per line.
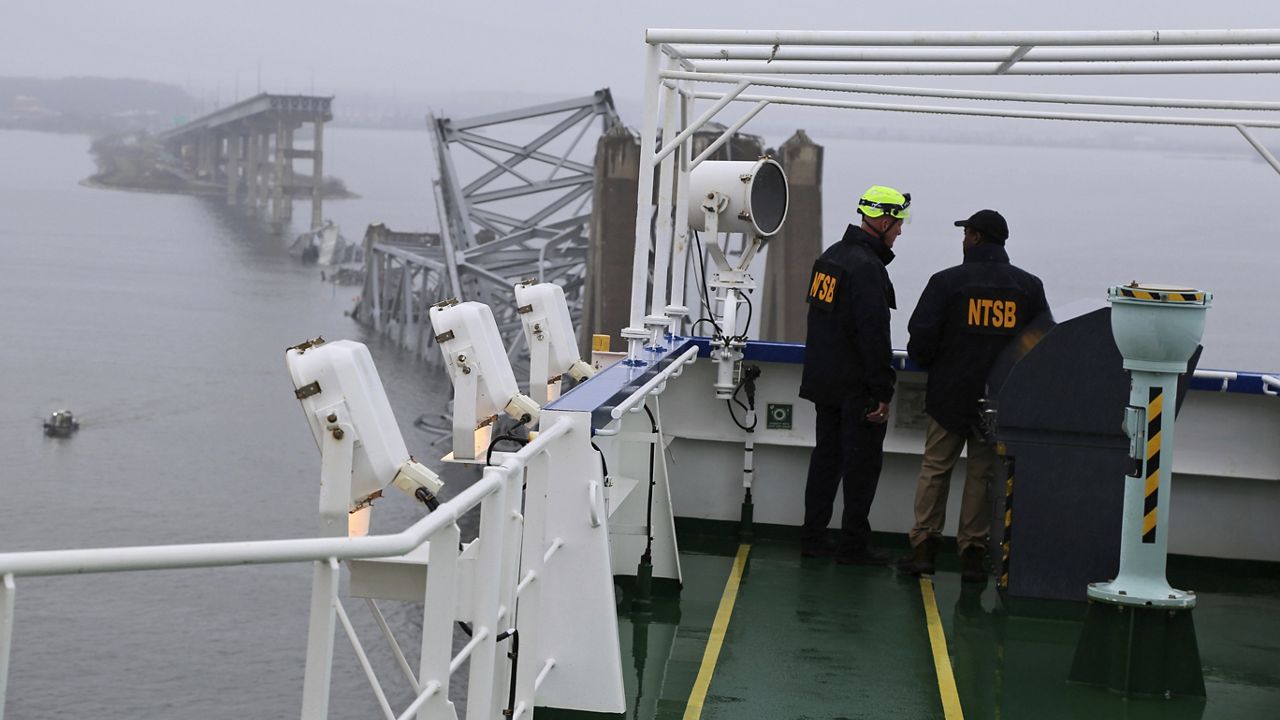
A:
806, 638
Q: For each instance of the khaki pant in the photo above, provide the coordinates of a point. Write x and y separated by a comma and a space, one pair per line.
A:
941, 451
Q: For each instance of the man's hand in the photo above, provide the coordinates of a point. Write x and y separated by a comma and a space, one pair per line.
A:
880, 415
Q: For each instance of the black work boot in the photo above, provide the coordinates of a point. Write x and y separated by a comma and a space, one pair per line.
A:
973, 564
922, 559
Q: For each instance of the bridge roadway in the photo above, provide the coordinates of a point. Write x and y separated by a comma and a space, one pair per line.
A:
249, 147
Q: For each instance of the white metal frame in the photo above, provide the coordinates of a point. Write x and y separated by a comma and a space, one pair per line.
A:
540, 503
684, 66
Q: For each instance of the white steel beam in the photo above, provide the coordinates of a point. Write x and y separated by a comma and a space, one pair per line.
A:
728, 133
984, 112
1151, 67
977, 54
721, 101
1014, 57
1262, 150
644, 193
1057, 98
962, 37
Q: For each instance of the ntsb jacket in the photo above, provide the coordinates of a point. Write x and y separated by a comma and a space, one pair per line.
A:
966, 315
847, 350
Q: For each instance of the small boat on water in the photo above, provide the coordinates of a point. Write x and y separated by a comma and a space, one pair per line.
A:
61, 424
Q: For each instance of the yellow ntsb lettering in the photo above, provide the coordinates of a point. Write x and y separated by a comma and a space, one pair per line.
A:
989, 313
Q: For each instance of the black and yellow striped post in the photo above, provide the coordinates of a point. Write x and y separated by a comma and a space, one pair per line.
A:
1151, 490
1006, 538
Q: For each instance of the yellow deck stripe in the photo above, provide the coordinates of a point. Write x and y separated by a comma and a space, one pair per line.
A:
693, 711
941, 661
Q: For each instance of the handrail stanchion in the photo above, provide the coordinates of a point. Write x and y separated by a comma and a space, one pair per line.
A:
439, 599
488, 589
320, 636
7, 592
533, 561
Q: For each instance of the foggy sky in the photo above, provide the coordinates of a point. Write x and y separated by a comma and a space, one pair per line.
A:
432, 49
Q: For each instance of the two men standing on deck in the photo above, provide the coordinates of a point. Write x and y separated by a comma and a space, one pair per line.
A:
848, 375
964, 319
966, 316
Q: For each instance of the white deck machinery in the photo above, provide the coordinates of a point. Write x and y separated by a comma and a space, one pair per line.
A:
1138, 635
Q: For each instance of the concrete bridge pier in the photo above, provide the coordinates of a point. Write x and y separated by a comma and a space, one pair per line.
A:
317, 176
251, 144
235, 146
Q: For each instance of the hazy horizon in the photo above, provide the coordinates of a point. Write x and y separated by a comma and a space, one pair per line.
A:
441, 53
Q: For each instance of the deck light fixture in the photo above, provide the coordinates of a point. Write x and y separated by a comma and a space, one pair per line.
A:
748, 197
362, 450
483, 382
548, 330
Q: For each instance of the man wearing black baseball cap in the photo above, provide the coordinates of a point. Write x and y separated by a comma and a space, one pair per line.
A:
966, 315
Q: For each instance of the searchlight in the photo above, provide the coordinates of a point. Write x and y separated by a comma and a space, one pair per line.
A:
748, 197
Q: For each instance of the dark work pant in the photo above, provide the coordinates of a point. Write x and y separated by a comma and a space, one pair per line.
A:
851, 449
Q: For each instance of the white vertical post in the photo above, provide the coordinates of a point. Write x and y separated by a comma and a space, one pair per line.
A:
680, 247
7, 593
320, 635
487, 590
439, 599
662, 245
644, 198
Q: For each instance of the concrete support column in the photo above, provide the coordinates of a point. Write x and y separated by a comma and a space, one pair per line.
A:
799, 243
317, 175
233, 168
264, 179
607, 295
288, 174
251, 170
277, 181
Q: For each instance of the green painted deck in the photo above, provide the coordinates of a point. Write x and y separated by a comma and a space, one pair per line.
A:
811, 639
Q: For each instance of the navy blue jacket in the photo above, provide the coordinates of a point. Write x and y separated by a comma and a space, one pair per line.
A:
847, 349
965, 317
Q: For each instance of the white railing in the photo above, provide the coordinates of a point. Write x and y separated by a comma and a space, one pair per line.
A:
1271, 385
655, 386
498, 495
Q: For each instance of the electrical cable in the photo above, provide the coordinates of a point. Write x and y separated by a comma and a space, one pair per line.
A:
703, 289
604, 466
488, 456
514, 656
647, 557
701, 320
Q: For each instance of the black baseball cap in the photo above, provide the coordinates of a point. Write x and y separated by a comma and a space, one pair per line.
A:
988, 222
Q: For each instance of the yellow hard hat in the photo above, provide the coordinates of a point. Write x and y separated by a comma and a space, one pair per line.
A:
881, 199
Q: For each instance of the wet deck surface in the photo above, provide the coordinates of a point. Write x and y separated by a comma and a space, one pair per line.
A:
811, 639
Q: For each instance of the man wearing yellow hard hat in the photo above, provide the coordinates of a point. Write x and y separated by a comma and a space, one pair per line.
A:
848, 375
